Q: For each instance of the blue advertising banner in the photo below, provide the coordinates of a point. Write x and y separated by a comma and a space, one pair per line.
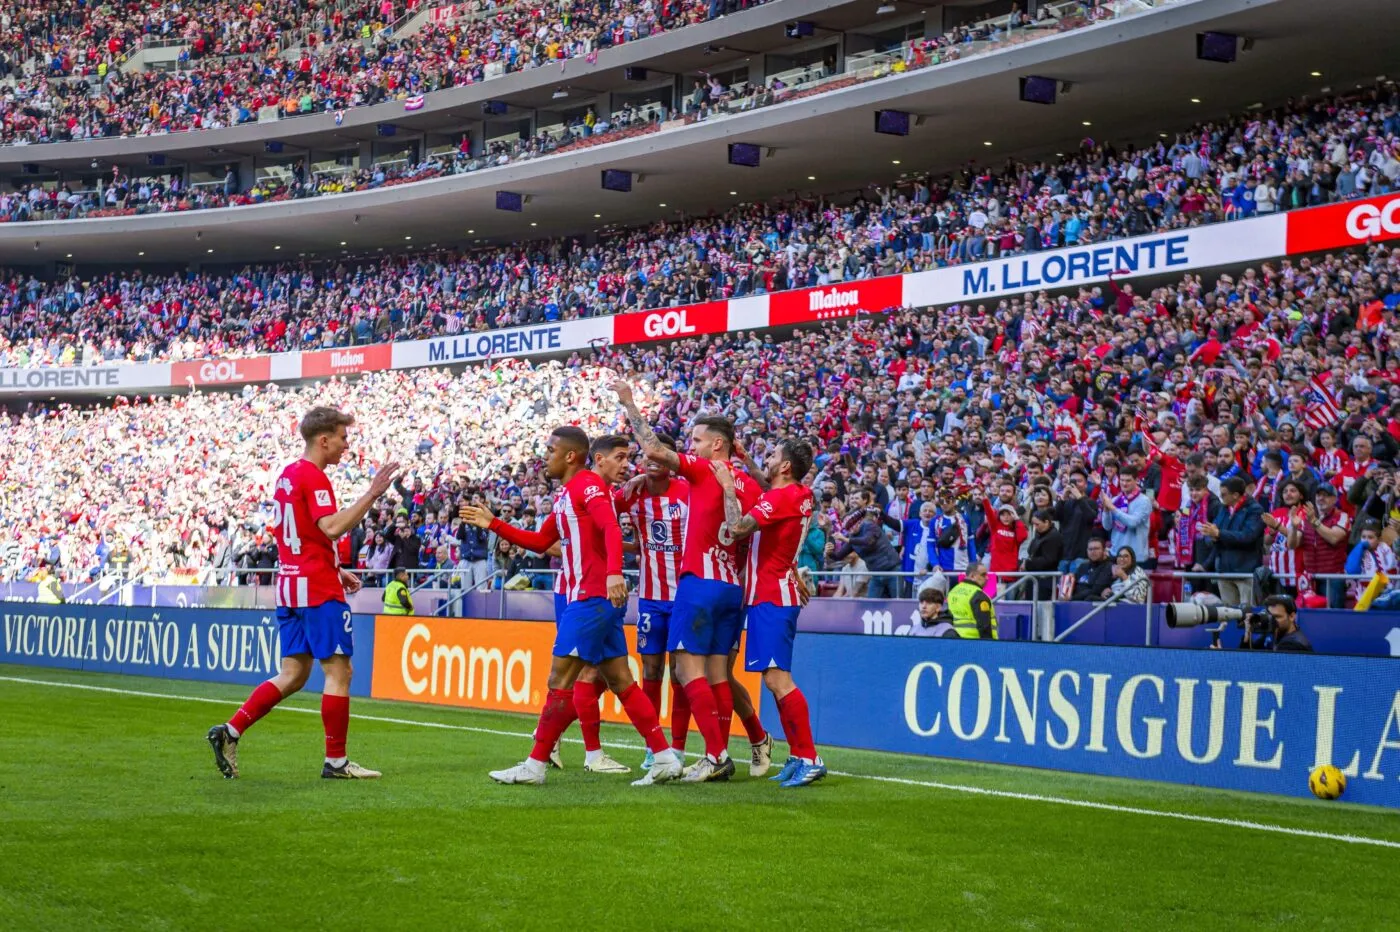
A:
211, 645
1235, 720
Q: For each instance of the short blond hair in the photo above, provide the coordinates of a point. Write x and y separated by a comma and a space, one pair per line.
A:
323, 419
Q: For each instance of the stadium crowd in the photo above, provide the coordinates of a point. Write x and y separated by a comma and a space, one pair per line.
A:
1309, 153
233, 65
1243, 424
135, 196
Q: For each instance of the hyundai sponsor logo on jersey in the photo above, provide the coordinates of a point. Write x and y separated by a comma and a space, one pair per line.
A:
223, 646
1228, 719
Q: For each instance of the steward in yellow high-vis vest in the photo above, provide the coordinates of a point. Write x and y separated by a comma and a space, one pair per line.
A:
397, 600
971, 608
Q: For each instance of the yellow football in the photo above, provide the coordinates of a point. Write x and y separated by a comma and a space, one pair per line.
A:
1327, 782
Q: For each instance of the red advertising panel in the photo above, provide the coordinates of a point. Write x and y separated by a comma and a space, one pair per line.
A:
222, 371
671, 323
1339, 225
843, 300
348, 360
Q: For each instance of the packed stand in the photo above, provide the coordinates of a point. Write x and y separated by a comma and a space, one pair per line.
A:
1248, 429
1314, 153
123, 196
233, 66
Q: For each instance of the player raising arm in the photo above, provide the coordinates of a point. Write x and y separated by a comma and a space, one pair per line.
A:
312, 615
584, 522
774, 593
707, 617
658, 501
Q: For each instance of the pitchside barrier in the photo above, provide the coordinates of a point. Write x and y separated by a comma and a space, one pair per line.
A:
210, 645
1228, 719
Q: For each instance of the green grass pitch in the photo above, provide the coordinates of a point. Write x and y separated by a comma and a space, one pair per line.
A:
112, 816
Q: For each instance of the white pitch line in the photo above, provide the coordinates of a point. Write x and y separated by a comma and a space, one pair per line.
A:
930, 784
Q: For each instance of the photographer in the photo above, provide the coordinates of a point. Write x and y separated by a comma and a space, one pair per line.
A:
1287, 635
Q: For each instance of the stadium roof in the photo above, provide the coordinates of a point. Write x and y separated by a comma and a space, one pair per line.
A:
1132, 79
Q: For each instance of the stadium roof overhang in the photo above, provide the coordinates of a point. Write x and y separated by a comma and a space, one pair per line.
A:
1131, 80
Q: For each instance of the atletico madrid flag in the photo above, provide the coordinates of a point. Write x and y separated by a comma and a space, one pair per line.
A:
1327, 409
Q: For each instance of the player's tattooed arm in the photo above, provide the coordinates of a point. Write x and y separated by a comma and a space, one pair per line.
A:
756, 472
736, 523
654, 449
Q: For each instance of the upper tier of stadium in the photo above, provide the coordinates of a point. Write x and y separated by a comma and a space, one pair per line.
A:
958, 108
86, 72
1260, 163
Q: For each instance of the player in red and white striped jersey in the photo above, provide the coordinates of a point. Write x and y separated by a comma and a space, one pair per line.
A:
707, 620
774, 594
584, 522
312, 614
659, 502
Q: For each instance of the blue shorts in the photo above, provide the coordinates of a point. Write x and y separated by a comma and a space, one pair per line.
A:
321, 630
560, 603
653, 624
771, 631
707, 617
591, 630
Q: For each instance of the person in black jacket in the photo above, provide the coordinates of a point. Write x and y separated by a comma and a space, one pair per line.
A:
1076, 514
867, 539
1095, 576
1044, 552
1237, 528
407, 547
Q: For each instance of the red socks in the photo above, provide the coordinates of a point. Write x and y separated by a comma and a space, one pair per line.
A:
261, 702
335, 718
724, 707
652, 690
702, 707
642, 714
557, 715
585, 700
680, 715
754, 728
797, 724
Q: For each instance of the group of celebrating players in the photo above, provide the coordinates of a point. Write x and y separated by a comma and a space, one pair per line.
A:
718, 542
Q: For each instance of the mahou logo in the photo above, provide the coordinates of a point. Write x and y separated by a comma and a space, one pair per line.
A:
834, 299
345, 361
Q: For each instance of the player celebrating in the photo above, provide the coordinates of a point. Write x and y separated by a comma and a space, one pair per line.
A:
774, 594
312, 614
610, 461
707, 617
584, 522
658, 502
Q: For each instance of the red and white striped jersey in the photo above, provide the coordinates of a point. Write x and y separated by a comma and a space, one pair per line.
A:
782, 515
1285, 562
307, 572
584, 522
660, 523
705, 555
1331, 462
